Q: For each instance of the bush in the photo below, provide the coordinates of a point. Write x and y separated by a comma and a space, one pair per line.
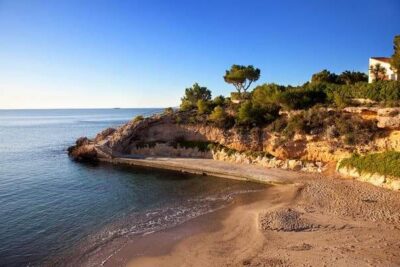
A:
168, 111
218, 116
266, 94
218, 101
192, 120
202, 107
258, 115
341, 100
387, 163
138, 118
244, 115
186, 105
387, 92
301, 97
351, 128
324, 76
193, 95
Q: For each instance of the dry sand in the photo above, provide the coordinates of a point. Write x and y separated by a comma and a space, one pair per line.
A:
318, 222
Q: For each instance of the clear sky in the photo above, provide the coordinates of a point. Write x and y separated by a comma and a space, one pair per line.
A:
85, 54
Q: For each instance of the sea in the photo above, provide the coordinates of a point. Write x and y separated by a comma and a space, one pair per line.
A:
53, 209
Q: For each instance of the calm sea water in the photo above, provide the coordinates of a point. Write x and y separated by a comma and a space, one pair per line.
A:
53, 209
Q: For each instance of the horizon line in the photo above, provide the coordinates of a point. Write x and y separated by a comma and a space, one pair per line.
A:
63, 108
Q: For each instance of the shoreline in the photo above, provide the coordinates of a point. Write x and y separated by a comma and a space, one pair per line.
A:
163, 242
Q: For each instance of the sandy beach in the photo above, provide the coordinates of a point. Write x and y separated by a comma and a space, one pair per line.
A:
323, 223
317, 220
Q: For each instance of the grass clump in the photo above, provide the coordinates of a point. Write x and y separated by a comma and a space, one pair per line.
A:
386, 163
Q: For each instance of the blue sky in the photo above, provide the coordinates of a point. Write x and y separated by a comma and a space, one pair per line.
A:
85, 54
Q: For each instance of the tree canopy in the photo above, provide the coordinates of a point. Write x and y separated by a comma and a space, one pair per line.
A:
242, 77
378, 72
346, 77
324, 76
193, 95
352, 77
395, 60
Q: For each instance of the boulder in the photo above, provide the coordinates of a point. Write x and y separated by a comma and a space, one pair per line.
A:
295, 165
389, 122
84, 153
104, 134
395, 185
388, 112
377, 179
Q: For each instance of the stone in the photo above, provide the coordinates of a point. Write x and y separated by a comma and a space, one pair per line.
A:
104, 134
295, 165
377, 179
389, 122
395, 185
388, 112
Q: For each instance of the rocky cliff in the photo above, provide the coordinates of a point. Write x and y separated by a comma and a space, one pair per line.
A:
162, 135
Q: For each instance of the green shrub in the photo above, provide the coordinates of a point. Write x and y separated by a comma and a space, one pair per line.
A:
138, 118
202, 107
168, 111
218, 114
192, 120
324, 76
386, 92
341, 100
352, 128
301, 97
220, 119
193, 95
186, 105
218, 101
266, 94
386, 163
257, 115
245, 115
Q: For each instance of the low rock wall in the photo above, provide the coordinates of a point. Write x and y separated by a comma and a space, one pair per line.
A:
372, 178
269, 162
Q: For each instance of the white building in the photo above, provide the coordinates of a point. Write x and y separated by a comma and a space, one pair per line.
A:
385, 63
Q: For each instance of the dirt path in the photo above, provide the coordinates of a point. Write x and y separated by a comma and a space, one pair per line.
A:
214, 168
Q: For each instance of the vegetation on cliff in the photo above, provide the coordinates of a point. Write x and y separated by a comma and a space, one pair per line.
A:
386, 163
395, 59
262, 105
313, 108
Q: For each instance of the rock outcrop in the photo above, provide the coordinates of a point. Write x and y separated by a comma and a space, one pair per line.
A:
83, 150
160, 135
387, 118
372, 178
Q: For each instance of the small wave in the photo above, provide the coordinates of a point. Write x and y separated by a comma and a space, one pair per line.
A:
116, 235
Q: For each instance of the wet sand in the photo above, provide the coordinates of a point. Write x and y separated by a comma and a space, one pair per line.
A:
321, 221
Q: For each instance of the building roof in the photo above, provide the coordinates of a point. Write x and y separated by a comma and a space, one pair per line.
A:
383, 59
